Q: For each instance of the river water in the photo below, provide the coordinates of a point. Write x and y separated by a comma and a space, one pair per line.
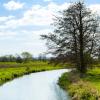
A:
36, 86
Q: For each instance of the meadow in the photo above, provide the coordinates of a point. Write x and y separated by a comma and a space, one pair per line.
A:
11, 70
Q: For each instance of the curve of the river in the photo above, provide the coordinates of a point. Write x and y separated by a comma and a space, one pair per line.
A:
36, 86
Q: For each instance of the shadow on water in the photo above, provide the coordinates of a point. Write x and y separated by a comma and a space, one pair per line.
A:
61, 94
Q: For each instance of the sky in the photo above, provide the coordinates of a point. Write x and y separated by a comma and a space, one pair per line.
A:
23, 21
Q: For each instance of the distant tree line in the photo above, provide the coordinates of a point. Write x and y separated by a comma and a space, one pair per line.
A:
24, 57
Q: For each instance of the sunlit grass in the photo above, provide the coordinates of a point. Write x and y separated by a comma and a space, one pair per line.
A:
11, 70
93, 76
87, 88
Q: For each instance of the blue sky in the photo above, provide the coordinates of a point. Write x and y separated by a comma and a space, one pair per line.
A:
23, 21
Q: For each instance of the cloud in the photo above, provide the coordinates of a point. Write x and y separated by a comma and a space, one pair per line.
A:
7, 33
95, 8
37, 15
42, 15
5, 18
12, 5
47, 0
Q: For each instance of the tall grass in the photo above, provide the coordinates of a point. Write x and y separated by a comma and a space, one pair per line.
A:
11, 70
87, 88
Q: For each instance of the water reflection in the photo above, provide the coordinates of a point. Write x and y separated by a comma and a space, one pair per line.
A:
36, 86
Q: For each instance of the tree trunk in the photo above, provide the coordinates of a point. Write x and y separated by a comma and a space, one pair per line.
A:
82, 64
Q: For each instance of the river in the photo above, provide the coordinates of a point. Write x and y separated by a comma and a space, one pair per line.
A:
36, 86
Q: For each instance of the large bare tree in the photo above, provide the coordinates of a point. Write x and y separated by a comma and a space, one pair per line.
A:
75, 36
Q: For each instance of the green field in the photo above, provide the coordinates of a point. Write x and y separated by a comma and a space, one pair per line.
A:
11, 70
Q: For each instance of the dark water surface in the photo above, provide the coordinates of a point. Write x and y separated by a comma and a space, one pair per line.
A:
36, 86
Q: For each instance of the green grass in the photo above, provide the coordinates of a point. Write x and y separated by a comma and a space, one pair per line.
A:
93, 76
14, 64
87, 88
11, 70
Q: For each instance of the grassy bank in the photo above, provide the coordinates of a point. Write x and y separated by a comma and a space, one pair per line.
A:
87, 88
11, 70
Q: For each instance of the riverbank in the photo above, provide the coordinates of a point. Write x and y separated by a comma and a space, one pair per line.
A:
12, 70
87, 88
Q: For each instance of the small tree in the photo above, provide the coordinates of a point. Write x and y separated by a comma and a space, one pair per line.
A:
8, 58
75, 36
26, 56
19, 59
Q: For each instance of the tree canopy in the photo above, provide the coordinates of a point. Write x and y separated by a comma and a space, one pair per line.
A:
26, 56
75, 37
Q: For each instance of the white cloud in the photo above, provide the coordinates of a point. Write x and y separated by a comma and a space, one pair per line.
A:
12, 5
38, 15
42, 15
7, 33
6, 18
47, 0
95, 8
40, 32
